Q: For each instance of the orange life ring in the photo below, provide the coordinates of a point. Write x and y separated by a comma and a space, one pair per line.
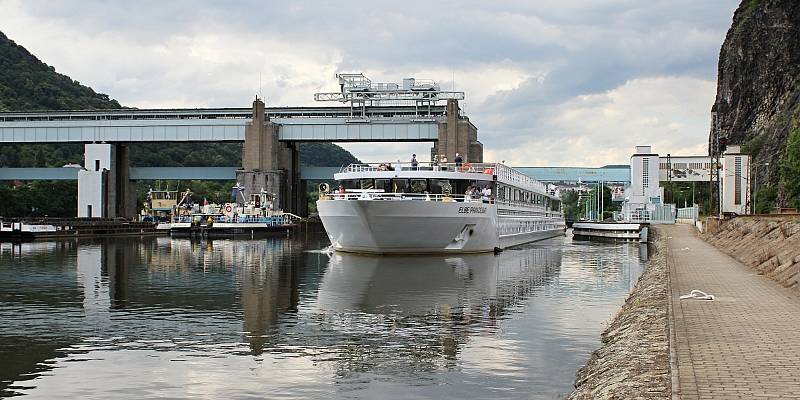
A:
466, 167
488, 171
228, 208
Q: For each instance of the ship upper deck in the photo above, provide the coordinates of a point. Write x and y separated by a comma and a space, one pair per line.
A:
489, 172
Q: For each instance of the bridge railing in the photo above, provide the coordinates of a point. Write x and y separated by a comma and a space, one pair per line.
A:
282, 113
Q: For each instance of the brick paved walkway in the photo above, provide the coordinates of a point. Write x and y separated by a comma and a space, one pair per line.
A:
746, 343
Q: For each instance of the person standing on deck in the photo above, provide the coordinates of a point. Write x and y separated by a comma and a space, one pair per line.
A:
458, 160
469, 193
414, 162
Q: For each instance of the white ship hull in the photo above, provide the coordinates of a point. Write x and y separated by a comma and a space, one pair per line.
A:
422, 227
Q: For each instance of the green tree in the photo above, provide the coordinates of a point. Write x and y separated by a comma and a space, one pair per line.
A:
765, 199
790, 168
569, 204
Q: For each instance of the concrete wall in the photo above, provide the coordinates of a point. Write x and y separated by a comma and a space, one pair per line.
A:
768, 244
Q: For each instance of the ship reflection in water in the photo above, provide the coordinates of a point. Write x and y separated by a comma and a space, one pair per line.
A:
178, 318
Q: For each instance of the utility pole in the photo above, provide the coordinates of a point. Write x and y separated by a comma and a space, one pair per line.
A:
718, 146
669, 178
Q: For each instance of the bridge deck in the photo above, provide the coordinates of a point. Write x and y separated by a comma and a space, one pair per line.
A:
221, 125
156, 173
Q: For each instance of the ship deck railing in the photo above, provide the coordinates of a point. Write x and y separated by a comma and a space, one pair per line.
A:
378, 196
273, 220
504, 173
475, 168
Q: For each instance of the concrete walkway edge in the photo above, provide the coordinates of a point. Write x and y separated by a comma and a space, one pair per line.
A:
743, 344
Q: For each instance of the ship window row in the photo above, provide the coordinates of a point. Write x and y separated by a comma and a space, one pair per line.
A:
523, 213
520, 197
413, 185
514, 226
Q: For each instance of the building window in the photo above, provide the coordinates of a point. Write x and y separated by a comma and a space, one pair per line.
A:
737, 183
645, 173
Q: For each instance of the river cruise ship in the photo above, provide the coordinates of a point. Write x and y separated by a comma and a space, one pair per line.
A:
430, 209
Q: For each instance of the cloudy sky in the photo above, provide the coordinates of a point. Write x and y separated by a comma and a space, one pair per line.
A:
547, 82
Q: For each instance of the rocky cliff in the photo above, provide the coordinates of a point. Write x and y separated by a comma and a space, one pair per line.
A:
758, 88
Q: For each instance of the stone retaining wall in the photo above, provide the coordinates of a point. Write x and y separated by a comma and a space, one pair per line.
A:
633, 361
768, 244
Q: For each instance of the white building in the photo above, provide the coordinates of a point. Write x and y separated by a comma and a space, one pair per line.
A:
644, 198
735, 175
93, 180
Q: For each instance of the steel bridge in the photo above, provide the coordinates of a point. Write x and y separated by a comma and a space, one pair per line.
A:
396, 123
414, 111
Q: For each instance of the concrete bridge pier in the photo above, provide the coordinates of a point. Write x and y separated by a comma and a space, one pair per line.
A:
268, 163
104, 186
458, 135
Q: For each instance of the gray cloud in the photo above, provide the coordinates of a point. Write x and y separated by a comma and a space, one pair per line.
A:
519, 61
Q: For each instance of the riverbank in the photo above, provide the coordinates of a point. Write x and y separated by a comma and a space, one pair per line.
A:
768, 244
633, 361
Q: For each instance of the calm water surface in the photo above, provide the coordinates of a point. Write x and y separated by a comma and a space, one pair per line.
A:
276, 318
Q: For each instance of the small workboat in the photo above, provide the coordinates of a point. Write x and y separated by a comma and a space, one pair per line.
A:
250, 215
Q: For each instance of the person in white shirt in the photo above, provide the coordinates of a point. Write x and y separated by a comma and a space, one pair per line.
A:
486, 194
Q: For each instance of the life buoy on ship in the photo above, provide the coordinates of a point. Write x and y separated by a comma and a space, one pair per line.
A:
228, 208
466, 167
488, 171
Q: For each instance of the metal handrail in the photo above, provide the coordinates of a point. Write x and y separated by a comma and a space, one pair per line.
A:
504, 173
481, 168
273, 220
405, 196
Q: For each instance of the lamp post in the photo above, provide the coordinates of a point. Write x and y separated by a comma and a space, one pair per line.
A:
684, 191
